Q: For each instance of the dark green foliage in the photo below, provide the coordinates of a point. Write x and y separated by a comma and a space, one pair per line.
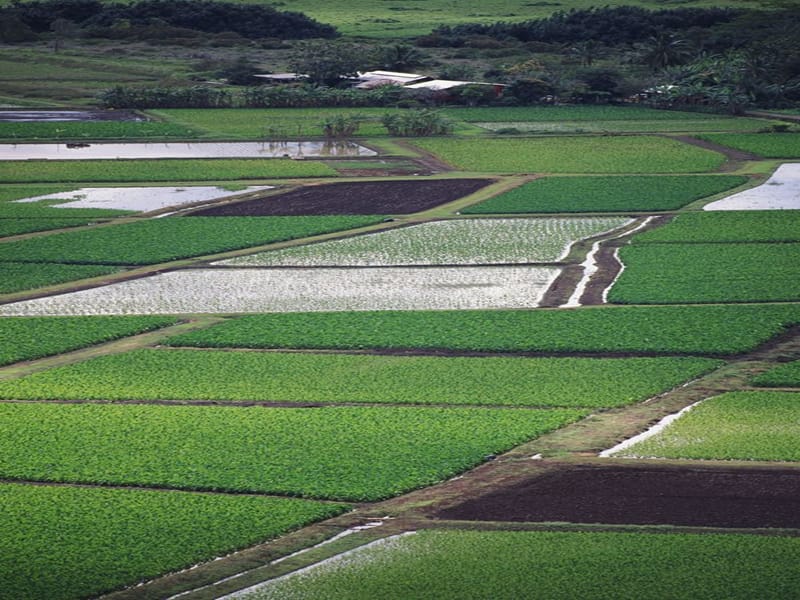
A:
609, 25
417, 123
657, 329
606, 194
27, 338
160, 240
248, 20
16, 226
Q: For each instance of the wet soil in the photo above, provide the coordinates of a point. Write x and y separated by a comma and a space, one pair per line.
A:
645, 495
19, 115
353, 198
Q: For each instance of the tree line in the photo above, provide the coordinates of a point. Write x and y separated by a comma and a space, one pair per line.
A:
111, 19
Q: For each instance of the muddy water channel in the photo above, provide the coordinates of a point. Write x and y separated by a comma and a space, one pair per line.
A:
85, 151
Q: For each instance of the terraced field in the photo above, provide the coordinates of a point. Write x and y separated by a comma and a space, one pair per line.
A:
396, 372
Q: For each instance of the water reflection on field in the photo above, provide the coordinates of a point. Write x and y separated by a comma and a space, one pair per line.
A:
271, 149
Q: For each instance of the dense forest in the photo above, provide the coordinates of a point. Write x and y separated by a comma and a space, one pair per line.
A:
99, 19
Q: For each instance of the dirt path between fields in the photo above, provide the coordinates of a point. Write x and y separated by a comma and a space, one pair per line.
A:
735, 158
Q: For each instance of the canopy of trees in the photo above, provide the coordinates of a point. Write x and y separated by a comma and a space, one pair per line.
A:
247, 20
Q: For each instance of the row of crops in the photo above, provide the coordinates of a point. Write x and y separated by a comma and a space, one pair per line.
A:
148, 428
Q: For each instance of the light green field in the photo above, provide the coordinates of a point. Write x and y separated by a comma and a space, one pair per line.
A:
639, 154
62, 542
714, 329
348, 453
301, 377
606, 194
671, 273
475, 565
785, 375
733, 426
632, 126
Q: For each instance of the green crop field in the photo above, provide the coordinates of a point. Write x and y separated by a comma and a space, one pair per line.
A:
301, 377
727, 226
623, 154
768, 145
160, 240
348, 453
658, 329
450, 242
577, 113
17, 226
786, 375
159, 170
268, 123
733, 426
687, 273
92, 130
606, 194
27, 338
713, 124
458, 565
67, 542
18, 276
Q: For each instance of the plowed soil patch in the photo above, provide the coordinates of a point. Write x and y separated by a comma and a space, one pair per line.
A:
712, 497
356, 198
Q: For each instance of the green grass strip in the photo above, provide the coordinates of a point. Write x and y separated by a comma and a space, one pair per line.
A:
19, 276
62, 542
606, 194
27, 338
348, 453
160, 240
733, 426
728, 226
786, 375
159, 170
91, 130
676, 274
459, 565
768, 145
623, 154
300, 377
715, 329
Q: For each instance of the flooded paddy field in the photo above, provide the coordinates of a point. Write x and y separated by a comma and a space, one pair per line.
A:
90, 151
24, 115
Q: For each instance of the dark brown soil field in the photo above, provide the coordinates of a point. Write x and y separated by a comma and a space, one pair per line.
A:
652, 495
356, 198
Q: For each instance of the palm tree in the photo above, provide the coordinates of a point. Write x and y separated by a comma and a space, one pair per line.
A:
663, 50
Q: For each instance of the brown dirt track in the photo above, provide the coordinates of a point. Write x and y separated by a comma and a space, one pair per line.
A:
645, 495
353, 198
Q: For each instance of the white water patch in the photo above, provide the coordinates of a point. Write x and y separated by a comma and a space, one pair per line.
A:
299, 290
590, 268
450, 242
141, 199
327, 542
296, 150
779, 192
652, 431
362, 555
